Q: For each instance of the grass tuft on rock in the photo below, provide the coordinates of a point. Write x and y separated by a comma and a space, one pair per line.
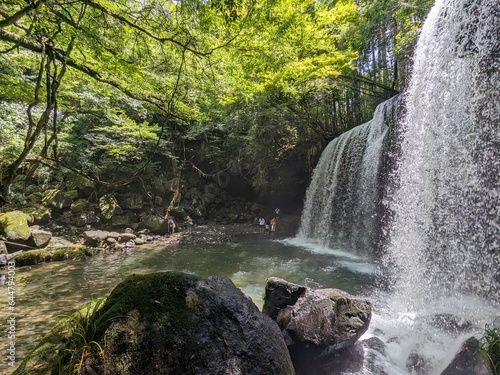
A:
490, 345
73, 339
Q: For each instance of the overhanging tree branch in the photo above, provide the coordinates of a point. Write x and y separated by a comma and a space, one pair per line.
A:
63, 57
21, 13
185, 46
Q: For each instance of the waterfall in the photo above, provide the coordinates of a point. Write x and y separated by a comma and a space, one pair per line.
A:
342, 201
442, 258
440, 238
445, 234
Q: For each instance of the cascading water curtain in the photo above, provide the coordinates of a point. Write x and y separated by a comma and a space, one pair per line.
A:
445, 234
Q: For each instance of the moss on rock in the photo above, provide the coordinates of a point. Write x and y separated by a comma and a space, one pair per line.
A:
39, 215
56, 198
14, 225
109, 206
34, 257
31, 258
80, 205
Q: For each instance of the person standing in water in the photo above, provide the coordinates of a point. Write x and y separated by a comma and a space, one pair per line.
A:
273, 224
262, 225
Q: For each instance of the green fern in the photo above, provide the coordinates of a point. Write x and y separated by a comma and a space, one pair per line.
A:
82, 330
490, 345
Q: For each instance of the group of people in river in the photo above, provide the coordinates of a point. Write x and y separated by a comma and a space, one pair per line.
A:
267, 226
172, 225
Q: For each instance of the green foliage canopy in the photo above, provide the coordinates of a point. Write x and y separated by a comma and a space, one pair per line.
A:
109, 85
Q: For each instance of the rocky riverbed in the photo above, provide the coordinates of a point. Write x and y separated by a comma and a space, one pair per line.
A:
68, 244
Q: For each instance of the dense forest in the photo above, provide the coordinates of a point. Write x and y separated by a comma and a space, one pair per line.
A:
112, 93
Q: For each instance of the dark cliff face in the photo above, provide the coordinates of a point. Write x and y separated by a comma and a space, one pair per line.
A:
286, 186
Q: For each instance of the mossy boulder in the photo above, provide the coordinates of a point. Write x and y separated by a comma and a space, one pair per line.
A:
80, 205
131, 201
154, 223
85, 218
14, 226
173, 323
72, 194
56, 198
168, 323
109, 206
40, 214
36, 197
79, 183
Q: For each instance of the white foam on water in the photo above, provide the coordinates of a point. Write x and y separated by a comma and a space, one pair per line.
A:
315, 246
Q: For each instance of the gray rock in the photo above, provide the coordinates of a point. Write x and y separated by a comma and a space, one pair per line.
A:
418, 364
469, 360
126, 237
114, 235
94, 237
40, 238
329, 318
139, 241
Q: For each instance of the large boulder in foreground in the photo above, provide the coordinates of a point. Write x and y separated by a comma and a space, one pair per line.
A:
327, 319
174, 323
179, 324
